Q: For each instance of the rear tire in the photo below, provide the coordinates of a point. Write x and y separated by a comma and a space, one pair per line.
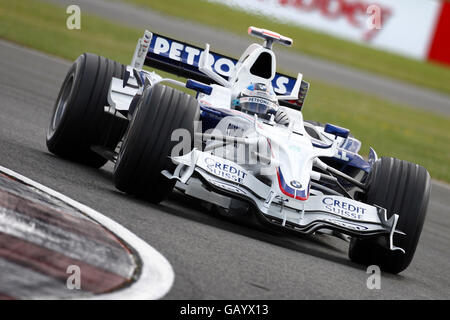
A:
78, 119
402, 188
147, 144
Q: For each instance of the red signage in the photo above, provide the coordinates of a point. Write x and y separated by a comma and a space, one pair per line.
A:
354, 11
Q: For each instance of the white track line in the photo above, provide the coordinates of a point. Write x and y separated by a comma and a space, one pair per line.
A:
156, 274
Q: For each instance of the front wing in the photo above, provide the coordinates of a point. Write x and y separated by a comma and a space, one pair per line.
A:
330, 212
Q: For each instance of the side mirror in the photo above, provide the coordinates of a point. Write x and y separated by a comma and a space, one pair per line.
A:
337, 131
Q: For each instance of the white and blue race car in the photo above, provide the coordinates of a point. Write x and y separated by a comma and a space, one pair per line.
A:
239, 143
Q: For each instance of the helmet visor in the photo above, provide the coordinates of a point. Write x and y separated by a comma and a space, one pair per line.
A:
256, 105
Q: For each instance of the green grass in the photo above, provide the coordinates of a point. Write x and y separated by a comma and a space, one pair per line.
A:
392, 129
316, 44
43, 26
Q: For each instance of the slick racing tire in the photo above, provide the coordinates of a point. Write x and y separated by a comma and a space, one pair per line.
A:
401, 188
78, 120
148, 144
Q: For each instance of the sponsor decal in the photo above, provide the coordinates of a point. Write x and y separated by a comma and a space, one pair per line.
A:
190, 55
257, 100
343, 208
290, 192
296, 184
224, 170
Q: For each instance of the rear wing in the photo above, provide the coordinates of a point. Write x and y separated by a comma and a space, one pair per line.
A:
182, 59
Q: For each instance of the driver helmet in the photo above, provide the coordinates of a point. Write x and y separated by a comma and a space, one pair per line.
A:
257, 99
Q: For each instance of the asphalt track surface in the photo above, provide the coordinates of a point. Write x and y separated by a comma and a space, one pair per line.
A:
233, 45
212, 257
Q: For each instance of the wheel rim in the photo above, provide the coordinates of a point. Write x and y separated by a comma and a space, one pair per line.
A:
61, 105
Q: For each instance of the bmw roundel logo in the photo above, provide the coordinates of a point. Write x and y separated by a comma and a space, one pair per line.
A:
296, 184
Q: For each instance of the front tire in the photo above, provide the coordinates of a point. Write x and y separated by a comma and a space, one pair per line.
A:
148, 142
401, 188
78, 119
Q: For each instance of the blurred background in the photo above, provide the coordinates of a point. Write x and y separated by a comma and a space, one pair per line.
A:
389, 85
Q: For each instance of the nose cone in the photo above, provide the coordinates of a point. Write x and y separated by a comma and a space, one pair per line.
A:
294, 188
293, 152
294, 171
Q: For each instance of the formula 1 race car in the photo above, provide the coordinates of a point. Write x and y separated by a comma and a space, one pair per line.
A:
239, 143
